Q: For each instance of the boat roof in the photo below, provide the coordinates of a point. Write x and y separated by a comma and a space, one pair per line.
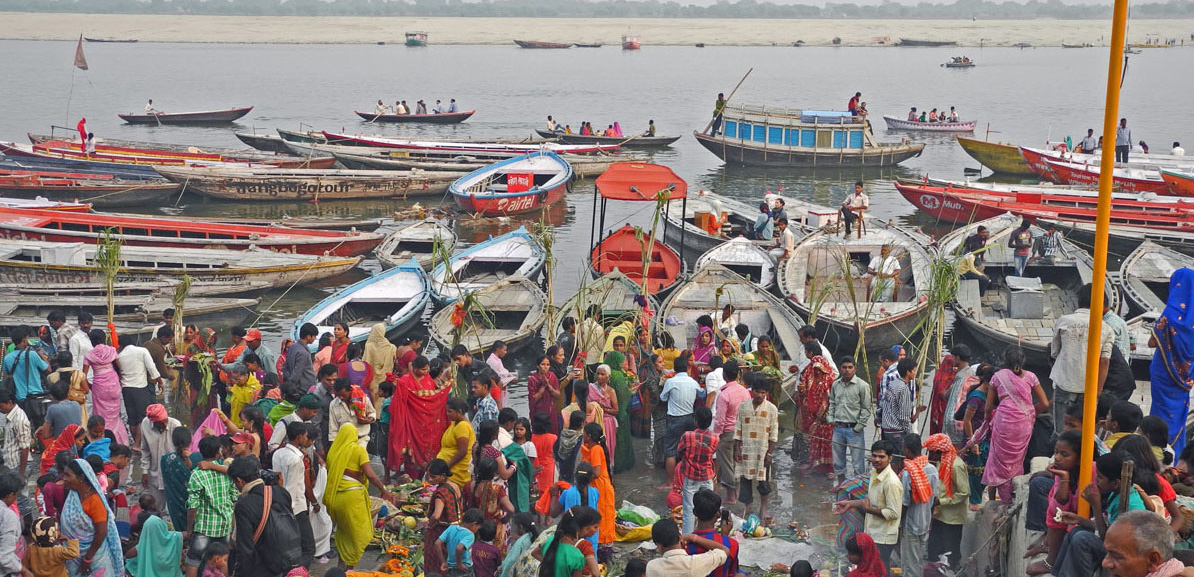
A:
640, 181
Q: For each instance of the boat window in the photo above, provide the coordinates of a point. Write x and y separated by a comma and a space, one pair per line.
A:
74, 226
758, 133
744, 131
808, 138
164, 232
856, 139
824, 139
793, 137
775, 135
839, 139
134, 231
731, 129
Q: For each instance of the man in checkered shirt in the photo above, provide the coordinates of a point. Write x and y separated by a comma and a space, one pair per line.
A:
696, 455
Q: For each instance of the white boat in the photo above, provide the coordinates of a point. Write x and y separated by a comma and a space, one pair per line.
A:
417, 240
513, 253
827, 275
31, 309
395, 297
613, 293
743, 257
514, 309
713, 287
1144, 277
894, 123
212, 271
681, 229
43, 203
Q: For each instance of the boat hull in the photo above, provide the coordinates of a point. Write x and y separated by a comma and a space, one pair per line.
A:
207, 117
263, 142
442, 118
332, 185
105, 195
899, 124
478, 192
630, 141
1178, 183
1067, 173
536, 44
404, 279
946, 207
999, 157
507, 204
747, 155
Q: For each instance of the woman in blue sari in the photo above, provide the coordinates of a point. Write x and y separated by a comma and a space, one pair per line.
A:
88, 518
1173, 339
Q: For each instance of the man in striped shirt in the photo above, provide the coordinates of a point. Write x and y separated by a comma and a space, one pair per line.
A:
898, 403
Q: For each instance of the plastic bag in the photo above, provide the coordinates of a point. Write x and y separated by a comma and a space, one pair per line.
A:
638, 514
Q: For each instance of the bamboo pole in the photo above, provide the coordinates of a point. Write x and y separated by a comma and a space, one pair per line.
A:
1102, 224
728, 98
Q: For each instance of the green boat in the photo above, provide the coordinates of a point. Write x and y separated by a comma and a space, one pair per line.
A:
416, 38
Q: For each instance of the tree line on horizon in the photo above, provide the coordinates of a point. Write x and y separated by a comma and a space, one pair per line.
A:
958, 10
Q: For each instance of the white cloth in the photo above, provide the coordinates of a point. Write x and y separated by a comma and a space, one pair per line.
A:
1068, 350
714, 381
858, 200
136, 368
321, 522
154, 444
530, 450
452, 106
279, 435
288, 462
788, 240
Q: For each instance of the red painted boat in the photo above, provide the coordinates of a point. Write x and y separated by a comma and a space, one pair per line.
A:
1179, 183
1035, 159
968, 205
521, 184
631, 42
167, 232
159, 156
1126, 179
621, 250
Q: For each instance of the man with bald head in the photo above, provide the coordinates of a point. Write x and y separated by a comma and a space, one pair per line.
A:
1140, 544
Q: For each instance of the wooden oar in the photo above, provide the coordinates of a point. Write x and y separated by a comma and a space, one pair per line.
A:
732, 92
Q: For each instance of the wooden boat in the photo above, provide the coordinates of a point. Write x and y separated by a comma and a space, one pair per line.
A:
465, 147
85, 188
631, 42
205, 117
1124, 237
162, 232
613, 293
417, 240
803, 217
1126, 179
929, 43
307, 184
959, 62
621, 250
1037, 159
89, 168
894, 123
713, 287
31, 309
1178, 182
154, 152
629, 141
263, 142
416, 38
294, 136
441, 118
112, 40
769, 136
520, 184
744, 257
513, 253
69, 266
514, 309
583, 165
1086, 45
997, 156
42, 203
827, 273
395, 297
1144, 277
541, 45
1026, 313
72, 152
578, 45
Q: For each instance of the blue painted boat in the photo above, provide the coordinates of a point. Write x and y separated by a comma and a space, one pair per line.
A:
521, 184
483, 264
395, 297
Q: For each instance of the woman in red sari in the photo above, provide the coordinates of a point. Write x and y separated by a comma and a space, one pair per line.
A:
340, 342
815, 383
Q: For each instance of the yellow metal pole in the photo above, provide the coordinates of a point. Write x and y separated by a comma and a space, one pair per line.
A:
1102, 223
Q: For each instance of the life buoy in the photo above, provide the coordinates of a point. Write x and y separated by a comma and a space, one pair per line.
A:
543, 196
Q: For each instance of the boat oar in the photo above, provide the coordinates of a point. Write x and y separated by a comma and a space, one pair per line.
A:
732, 92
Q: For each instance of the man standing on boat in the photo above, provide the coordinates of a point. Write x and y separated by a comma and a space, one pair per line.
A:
883, 270
853, 208
719, 109
1123, 141
853, 105
1090, 143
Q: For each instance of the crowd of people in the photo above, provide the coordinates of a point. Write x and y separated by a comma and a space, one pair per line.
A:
933, 115
586, 129
420, 107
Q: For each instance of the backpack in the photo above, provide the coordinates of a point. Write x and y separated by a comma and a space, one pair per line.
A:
283, 538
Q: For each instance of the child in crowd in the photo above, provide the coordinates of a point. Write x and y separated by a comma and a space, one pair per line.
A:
523, 532
545, 463
381, 433
455, 543
801, 568
49, 551
706, 506
1123, 420
567, 446
1156, 430
1063, 496
215, 560
636, 567
486, 557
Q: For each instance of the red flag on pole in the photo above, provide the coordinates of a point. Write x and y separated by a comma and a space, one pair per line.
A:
80, 59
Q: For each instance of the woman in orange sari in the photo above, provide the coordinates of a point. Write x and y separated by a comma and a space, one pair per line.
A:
594, 452
815, 383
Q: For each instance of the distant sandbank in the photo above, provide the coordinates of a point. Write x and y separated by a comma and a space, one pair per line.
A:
500, 31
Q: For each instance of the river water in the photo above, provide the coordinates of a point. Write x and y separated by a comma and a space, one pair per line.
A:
1022, 95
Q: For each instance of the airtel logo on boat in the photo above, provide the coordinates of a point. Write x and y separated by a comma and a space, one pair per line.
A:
930, 202
520, 203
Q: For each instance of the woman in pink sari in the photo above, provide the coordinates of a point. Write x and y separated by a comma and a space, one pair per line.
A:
105, 386
602, 393
1016, 399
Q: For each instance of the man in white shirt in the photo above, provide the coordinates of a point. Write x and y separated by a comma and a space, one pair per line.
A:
505, 376
591, 339
1177, 149
551, 124
18, 434
1068, 351
308, 408
80, 343
884, 270
452, 105
854, 208
808, 334
157, 427
1089, 144
149, 109
787, 242
339, 413
439, 108
292, 469
675, 560
137, 370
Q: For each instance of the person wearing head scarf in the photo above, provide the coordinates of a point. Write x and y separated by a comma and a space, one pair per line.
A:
619, 381
1173, 340
704, 348
106, 394
602, 392
379, 354
864, 554
347, 495
158, 551
48, 554
945, 536
72, 438
87, 518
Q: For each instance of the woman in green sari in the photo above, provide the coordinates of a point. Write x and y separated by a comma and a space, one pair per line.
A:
624, 448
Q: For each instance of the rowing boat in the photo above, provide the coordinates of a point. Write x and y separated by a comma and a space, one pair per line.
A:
205, 117
623, 250
511, 311
417, 240
69, 266
434, 118
72, 152
159, 153
1180, 183
263, 142
737, 220
307, 184
1129, 179
54, 226
83, 188
613, 294
997, 156
744, 257
463, 146
395, 298
83, 168
894, 123
541, 45
146, 308
632, 141
42, 203
520, 184
513, 253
